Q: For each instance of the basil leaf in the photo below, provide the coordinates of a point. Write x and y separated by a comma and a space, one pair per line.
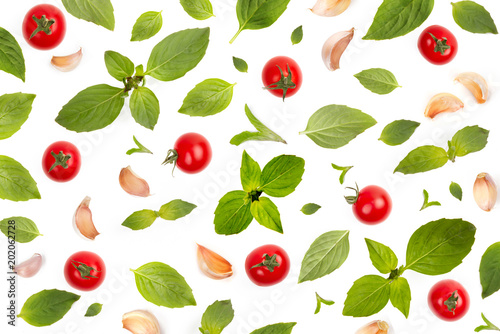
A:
310, 208
207, 98
16, 183
99, 12
378, 80
232, 214
489, 270
118, 66
263, 134
456, 190
400, 295
198, 9
383, 258
367, 296
146, 26
178, 54
11, 55
473, 17
320, 301
266, 214
140, 148
281, 175
249, 173
93, 108
281, 328
427, 203
334, 126
145, 107
297, 35
22, 229
326, 254
47, 307
162, 285
396, 18
489, 325
240, 65
469, 140
14, 111
344, 171
93, 310
216, 317
175, 209
439, 246
422, 159
398, 132
258, 14
140, 219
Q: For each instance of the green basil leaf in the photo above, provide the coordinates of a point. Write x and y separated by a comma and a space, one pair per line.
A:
396, 18
198, 9
21, 229
99, 12
439, 246
11, 55
378, 80
427, 203
367, 296
146, 26
263, 134
469, 140
423, 159
397, 132
489, 325
207, 98
281, 328
344, 171
162, 285
249, 173
93, 108
47, 307
320, 301
310, 209
400, 295
139, 220
326, 254
456, 190
176, 209
281, 175
383, 258
489, 270
178, 54
258, 14
266, 214
93, 310
473, 17
16, 183
145, 107
297, 35
14, 111
216, 317
140, 148
240, 65
232, 214
118, 66
334, 126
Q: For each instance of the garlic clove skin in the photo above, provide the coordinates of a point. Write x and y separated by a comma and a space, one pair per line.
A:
83, 222
67, 63
212, 264
141, 322
334, 47
441, 103
329, 8
30, 267
485, 192
132, 183
476, 84
374, 327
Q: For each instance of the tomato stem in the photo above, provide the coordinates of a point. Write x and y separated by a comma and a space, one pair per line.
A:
84, 269
269, 262
43, 24
352, 199
441, 45
451, 302
61, 159
285, 82
171, 158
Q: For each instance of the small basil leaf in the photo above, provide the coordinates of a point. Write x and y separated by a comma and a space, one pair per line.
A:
382, 257
175, 209
118, 66
266, 214
145, 107
139, 220
281, 175
423, 159
263, 134
469, 139
232, 214
21, 229
198, 9
216, 317
240, 65
93, 310
16, 183
489, 325
320, 301
378, 80
146, 26
489, 270
400, 295
344, 171
310, 209
207, 98
249, 173
99, 12
367, 296
473, 17
456, 190
297, 35
11, 55
140, 148
397, 132
14, 111
427, 203
281, 328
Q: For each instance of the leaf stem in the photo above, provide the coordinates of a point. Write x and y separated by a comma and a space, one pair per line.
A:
236, 35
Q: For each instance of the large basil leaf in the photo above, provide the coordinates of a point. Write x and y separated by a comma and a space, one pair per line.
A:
24, 229
216, 317
378, 80
439, 246
232, 214
281, 175
99, 12
145, 107
146, 26
16, 183
383, 258
367, 296
423, 159
162, 285
469, 139
473, 17
263, 134
207, 98
397, 132
11, 55
176, 209
249, 173
334, 126
489, 270
14, 111
139, 220
266, 214
400, 295
118, 66
281, 328
198, 9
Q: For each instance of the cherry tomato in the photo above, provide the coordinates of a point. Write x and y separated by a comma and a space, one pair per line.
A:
282, 76
44, 27
61, 161
438, 45
191, 153
372, 205
85, 271
448, 300
267, 265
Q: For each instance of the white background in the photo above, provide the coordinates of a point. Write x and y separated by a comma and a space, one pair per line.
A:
174, 242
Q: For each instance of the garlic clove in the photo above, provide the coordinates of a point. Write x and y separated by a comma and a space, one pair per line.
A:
213, 265
334, 47
83, 220
67, 63
374, 327
30, 267
476, 84
132, 183
485, 191
441, 103
141, 322
330, 8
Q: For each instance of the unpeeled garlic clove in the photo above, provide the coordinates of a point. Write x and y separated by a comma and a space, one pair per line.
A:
485, 191
83, 220
334, 47
330, 8
132, 183
441, 103
476, 84
374, 327
30, 267
213, 265
141, 322
67, 63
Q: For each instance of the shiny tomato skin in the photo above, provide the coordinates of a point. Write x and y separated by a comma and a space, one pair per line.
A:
262, 276
42, 40
373, 206
74, 277
427, 45
59, 173
271, 74
441, 292
194, 153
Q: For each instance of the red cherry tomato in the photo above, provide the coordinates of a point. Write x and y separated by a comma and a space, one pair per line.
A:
44, 27
61, 161
267, 265
438, 45
448, 300
192, 153
85, 271
282, 76
372, 205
